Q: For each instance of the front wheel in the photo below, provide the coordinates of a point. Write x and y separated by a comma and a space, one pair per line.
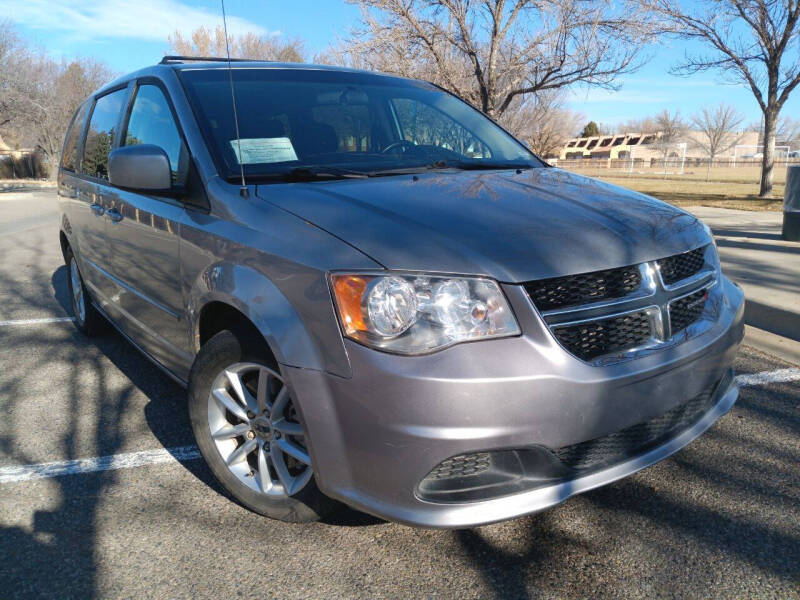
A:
248, 430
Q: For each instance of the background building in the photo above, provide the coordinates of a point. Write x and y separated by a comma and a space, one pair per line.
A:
650, 146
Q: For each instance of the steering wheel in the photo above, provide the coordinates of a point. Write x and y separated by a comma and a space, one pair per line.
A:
401, 144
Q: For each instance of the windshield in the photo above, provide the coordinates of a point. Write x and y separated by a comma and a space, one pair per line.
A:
342, 124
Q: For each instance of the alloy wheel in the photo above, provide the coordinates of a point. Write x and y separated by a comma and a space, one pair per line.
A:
256, 430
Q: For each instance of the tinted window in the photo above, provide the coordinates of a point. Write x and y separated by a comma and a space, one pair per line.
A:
151, 122
100, 135
297, 118
350, 123
423, 125
69, 160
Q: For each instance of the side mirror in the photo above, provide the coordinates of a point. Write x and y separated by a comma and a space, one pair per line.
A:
144, 167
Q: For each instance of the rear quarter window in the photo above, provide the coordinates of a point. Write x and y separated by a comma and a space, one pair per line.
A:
69, 158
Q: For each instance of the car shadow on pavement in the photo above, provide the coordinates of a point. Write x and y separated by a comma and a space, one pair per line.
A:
728, 494
748, 232
61, 289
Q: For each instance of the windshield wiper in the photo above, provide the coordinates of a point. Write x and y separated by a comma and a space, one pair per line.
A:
476, 165
309, 174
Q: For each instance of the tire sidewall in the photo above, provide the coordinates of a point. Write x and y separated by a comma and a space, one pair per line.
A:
81, 324
220, 352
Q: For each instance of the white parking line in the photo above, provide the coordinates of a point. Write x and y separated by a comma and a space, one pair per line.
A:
36, 321
765, 377
144, 458
102, 463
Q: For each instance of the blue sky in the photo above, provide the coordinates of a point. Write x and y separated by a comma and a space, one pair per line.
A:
129, 34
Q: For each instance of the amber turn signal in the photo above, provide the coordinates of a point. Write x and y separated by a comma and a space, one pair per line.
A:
349, 292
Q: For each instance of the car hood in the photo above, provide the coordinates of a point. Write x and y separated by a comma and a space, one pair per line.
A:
514, 227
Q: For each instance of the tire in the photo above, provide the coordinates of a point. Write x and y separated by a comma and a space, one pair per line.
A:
87, 319
250, 449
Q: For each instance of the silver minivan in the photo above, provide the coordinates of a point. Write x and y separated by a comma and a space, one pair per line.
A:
378, 297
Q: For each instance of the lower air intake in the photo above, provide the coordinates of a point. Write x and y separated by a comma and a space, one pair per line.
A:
637, 438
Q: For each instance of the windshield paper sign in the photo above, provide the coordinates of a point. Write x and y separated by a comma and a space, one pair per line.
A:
263, 150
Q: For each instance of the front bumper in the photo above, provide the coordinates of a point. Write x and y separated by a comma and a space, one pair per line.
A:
375, 436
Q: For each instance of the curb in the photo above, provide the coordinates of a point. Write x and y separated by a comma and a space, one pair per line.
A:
26, 186
777, 321
772, 344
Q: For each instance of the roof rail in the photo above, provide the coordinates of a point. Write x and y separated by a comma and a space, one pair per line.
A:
178, 59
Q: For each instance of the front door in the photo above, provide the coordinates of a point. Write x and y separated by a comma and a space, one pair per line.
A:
144, 233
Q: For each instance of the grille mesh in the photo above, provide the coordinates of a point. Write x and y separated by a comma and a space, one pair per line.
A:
685, 311
596, 338
627, 442
680, 266
461, 466
559, 292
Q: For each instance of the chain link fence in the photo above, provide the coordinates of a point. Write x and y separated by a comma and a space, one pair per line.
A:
741, 171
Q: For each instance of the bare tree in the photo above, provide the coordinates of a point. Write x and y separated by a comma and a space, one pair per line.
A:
542, 122
717, 127
671, 129
207, 42
14, 87
754, 42
39, 95
788, 131
643, 125
492, 52
59, 89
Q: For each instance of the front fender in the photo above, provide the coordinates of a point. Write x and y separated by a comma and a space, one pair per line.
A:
292, 336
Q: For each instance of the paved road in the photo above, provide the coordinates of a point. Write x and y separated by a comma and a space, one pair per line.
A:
767, 267
719, 519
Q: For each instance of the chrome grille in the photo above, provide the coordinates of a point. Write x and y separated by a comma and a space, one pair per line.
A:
685, 311
598, 338
681, 266
633, 440
614, 314
560, 292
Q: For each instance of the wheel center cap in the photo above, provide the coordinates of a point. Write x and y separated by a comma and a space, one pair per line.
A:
262, 427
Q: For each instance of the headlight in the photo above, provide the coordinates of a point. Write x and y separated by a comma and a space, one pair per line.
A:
414, 314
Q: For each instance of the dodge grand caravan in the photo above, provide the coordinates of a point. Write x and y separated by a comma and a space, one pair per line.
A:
376, 296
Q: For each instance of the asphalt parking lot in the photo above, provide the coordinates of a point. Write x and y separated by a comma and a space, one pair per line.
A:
719, 519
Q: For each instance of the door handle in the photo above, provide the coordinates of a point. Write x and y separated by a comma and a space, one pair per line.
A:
114, 215
97, 210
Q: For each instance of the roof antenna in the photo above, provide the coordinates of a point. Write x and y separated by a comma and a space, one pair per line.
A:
243, 189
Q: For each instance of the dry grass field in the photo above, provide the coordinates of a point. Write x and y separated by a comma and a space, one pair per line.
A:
728, 187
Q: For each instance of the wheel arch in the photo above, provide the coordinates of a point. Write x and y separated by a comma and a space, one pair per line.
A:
65, 245
217, 316
237, 296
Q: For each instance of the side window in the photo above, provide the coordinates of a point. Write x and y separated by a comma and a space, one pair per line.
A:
69, 159
423, 125
100, 135
151, 122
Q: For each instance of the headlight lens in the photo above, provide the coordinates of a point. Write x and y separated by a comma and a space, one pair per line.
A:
391, 306
414, 314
